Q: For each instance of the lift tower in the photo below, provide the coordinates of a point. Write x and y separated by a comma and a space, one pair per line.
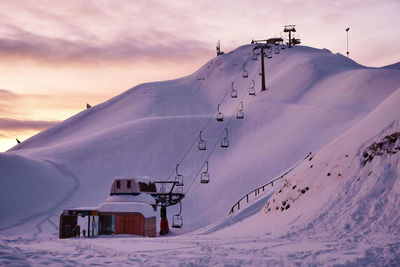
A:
262, 44
289, 29
168, 197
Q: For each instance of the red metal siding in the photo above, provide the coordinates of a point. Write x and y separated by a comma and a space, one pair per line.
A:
129, 224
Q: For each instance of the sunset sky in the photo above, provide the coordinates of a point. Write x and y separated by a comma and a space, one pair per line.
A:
56, 56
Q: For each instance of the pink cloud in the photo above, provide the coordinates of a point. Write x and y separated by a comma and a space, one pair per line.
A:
29, 46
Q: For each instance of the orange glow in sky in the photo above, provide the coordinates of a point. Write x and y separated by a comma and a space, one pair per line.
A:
57, 55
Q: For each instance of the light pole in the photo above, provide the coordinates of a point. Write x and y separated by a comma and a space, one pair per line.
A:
347, 31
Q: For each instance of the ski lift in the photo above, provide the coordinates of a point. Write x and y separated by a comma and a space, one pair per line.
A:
205, 177
269, 53
252, 90
240, 113
282, 42
178, 177
254, 56
177, 221
277, 49
225, 140
245, 73
163, 188
233, 92
220, 115
202, 143
179, 189
259, 71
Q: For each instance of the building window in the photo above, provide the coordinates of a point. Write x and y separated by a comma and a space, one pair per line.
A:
129, 184
118, 184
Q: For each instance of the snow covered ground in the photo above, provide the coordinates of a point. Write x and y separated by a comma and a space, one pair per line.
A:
335, 207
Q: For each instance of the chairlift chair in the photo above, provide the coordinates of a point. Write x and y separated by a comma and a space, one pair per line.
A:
202, 143
277, 49
179, 189
233, 92
220, 115
177, 221
252, 90
225, 140
205, 177
178, 177
240, 113
254, 56
245, 73
269, 53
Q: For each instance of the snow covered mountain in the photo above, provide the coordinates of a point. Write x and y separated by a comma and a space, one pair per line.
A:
315, 101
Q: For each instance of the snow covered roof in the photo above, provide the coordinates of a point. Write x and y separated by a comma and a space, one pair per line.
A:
142, 208
141, 198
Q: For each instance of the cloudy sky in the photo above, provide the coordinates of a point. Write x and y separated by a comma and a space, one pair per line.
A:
58, 55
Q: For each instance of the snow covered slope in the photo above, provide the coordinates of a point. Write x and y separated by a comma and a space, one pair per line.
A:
348, 189
313, 97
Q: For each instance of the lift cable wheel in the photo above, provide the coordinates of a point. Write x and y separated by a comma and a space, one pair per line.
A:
167, 194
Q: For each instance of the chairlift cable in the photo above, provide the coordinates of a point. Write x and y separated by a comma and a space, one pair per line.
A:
215, 145
202, 129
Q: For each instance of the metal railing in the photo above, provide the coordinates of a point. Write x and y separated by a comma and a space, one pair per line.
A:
270, 183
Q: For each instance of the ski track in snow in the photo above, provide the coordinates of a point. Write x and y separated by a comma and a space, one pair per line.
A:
194, 250
50, 213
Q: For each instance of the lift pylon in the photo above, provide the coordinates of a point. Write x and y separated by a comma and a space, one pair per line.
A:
262, 46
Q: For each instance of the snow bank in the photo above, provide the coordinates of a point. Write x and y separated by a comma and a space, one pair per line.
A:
342, 192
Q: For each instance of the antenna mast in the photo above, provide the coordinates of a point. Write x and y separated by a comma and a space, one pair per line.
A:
347, 31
